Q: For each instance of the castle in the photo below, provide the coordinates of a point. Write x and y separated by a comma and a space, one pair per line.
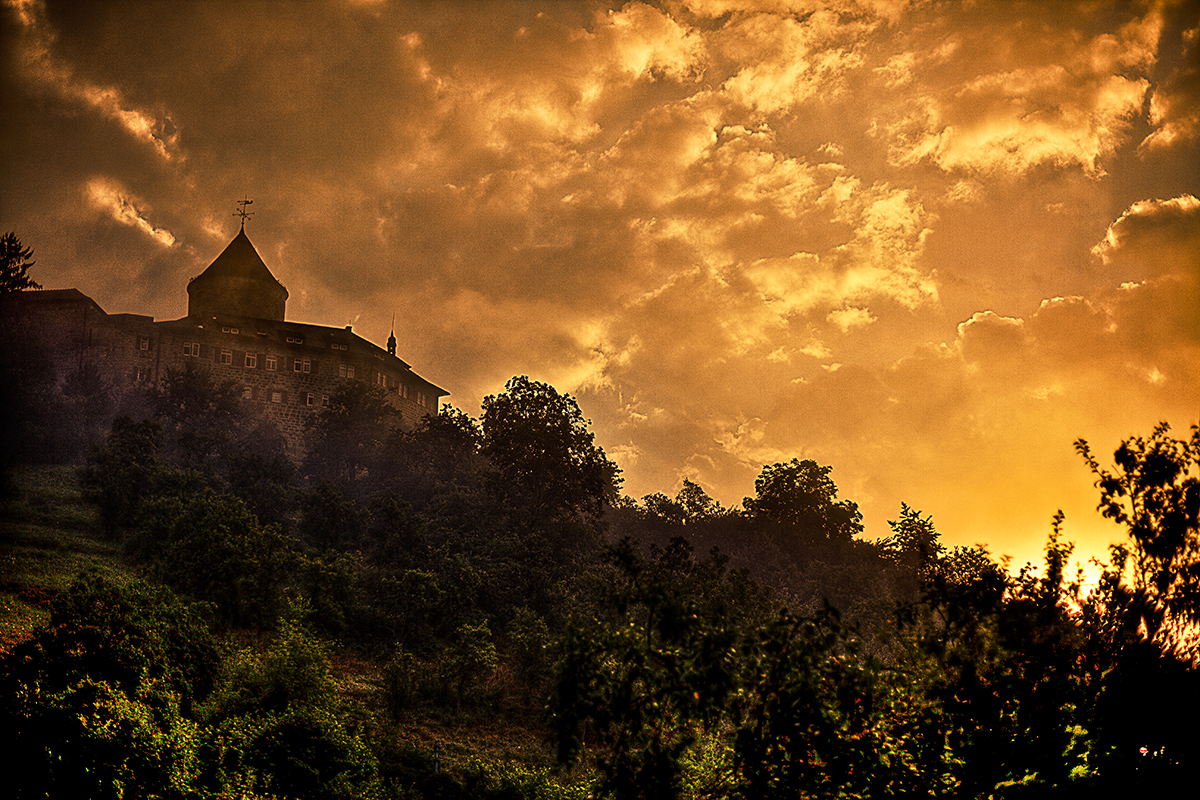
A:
235, 328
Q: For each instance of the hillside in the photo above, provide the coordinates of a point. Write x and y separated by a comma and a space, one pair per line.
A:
49, 535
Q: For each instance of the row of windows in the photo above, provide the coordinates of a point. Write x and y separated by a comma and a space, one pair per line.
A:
303, 366
278, 396
144, 342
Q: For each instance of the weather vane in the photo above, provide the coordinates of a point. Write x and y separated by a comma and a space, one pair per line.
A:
242, 212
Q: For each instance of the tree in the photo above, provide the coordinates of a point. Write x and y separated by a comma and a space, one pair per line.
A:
801, 493
211, 547
547, 461
1154, 491
696, 503
119, 475
276, 719
201, 418
15, 262
88, 407
29, 403
441, 455
658, 665
348, 442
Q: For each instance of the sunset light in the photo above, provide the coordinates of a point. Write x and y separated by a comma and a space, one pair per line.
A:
927, 244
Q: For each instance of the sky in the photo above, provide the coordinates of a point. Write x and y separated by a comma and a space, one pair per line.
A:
930, 244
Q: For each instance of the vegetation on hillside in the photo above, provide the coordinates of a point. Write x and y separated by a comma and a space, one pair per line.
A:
270, 629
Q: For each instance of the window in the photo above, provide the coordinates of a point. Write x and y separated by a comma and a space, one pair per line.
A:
307, 366
191, 349
247, 393
403, 390
276, 397
251, 360
230, 330
337, 346
308, 400
345, 370
324, 401
295, 340
420, 398
226, 356
350, 371
141, 375
143, 343
272, 363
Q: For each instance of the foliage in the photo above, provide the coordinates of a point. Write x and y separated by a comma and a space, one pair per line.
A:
802, 493
472, 657
347, 443
277, 723
658, 671
201, 419
690, 505
465, 557
1154, 491
87, 409
119, 474
266, 482
97, 703
809, 721
212, 548
441, 455
547, 462
29, 403
15, 262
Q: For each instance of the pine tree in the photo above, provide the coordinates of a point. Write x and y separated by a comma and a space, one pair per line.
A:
15, 262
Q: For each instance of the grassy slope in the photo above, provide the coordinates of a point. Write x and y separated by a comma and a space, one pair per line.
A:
48, 535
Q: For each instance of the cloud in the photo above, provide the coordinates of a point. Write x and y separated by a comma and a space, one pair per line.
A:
1175, 102
910, 240
645, 41
789, 60
109, 196
1070, 112
39, 66
846, 319
1150, 232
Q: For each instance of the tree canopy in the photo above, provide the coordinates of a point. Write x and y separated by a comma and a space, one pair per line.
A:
803, 494
15, 261
546, 458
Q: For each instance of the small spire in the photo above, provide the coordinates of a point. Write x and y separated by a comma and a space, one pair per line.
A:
392, 337
242, 212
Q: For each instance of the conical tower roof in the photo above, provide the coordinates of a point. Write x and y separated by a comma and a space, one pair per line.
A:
237, 284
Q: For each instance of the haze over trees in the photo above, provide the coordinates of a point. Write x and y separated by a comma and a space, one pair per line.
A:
668, 646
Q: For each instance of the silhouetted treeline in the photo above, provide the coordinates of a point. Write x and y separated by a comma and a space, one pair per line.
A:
683, 649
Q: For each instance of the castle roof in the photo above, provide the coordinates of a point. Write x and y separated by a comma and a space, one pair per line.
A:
237, 283
239, 260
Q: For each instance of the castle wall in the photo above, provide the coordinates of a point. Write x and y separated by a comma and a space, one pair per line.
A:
288, 371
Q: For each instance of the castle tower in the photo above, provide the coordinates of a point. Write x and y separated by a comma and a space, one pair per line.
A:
237, 284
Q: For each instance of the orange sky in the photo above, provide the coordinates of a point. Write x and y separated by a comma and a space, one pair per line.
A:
930, 244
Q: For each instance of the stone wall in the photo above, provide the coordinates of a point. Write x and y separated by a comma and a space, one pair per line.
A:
288, 371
